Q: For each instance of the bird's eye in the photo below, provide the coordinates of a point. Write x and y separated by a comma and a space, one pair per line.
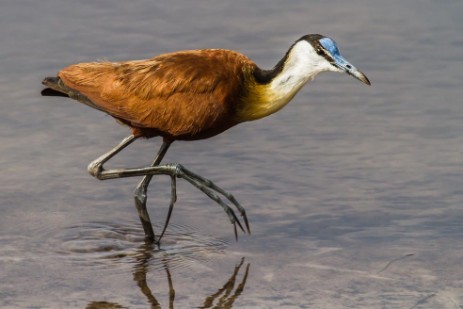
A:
320, 52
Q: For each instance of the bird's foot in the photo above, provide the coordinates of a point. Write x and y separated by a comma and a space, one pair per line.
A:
213, 192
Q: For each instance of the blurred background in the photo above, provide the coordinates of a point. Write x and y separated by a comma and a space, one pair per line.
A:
354, 193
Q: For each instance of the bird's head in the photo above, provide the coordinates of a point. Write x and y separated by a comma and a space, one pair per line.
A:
321, 53
271, 90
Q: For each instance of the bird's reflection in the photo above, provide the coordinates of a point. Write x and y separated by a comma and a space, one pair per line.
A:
223, 298
141, 270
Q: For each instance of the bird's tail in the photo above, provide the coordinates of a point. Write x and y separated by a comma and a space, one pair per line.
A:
55, 87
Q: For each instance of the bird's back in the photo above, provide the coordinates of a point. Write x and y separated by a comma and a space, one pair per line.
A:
182, 95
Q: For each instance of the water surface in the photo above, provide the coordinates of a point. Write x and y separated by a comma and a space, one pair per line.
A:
354, 193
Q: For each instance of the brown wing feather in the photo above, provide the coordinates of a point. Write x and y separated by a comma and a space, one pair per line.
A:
183, 94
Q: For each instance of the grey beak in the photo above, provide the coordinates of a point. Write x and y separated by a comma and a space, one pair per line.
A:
347, 67
359, 75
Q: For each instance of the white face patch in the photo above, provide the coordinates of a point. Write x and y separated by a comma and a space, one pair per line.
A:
302, 65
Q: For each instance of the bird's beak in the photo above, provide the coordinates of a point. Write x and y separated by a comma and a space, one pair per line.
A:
344, 65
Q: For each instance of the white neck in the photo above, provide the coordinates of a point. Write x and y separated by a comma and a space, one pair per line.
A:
301, 66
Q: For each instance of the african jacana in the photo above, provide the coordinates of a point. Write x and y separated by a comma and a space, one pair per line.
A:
191, 95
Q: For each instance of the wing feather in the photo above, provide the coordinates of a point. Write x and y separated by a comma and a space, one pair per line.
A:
178, 93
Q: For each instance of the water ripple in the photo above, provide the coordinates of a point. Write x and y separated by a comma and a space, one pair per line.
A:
106, 244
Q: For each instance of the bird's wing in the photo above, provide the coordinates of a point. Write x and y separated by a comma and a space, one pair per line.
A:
177, 93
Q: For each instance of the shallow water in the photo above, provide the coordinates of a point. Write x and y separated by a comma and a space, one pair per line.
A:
354, 193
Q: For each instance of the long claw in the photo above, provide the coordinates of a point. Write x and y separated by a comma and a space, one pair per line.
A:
171, 206
231, 214
228, 195
240, 209
247, 223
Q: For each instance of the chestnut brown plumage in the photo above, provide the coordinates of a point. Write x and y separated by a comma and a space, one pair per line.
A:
180, 96
190, 95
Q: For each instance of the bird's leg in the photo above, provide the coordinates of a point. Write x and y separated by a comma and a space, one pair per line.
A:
141, 197
177, 170
95, 168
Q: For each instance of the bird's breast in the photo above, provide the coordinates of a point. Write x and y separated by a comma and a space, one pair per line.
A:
261, 101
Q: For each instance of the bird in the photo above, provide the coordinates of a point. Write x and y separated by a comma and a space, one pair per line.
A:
191, 95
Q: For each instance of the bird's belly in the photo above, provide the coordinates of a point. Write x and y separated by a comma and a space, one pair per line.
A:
185, 135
